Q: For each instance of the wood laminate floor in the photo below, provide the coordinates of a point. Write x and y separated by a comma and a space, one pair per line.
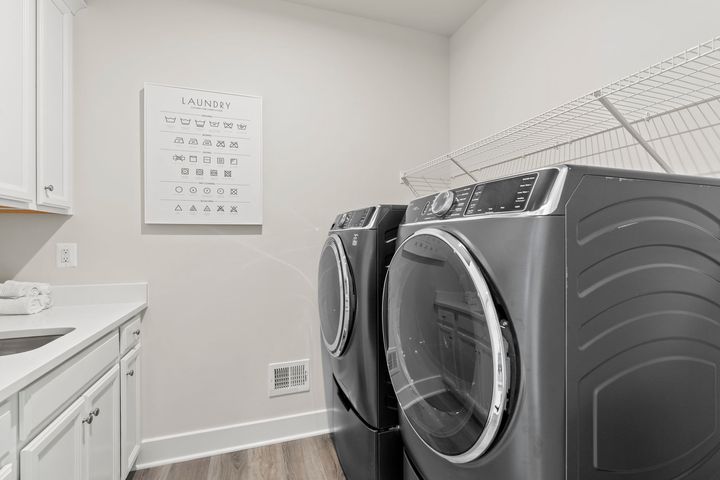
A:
308, 459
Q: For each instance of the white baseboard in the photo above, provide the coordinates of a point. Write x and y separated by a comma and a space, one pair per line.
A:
204, 443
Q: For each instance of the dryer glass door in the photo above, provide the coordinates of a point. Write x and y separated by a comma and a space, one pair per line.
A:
445, 349
336, 294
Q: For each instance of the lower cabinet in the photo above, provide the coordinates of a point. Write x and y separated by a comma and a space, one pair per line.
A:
82, 443
130, 400
8, 439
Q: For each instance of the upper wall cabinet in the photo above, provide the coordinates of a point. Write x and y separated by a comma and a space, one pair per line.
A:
36, 163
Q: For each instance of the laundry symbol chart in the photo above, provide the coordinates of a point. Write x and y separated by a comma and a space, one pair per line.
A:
233, 161
220, 143
185, 121
214, 124
193, 189
170, 120
179, 140
178, 208
220, 208
207, 159
220, 160
242, 126
193, 158
206, 209
233, 209
213, 173
233, 191
228, 173
234, 145
207, 190
200, 123
179, 158
228, 124
193, 141
207, 143
220, 191
178, 189
192, 208
184, 171
199, 171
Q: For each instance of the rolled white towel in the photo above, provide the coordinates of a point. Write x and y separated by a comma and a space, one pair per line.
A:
13, 289
23, 305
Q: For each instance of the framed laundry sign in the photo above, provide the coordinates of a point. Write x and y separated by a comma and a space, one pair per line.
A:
203, 157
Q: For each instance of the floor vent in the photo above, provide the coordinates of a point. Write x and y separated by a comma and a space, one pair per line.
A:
289, 377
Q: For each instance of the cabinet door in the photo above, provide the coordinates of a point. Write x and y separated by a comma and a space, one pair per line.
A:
17, 109
103, 432
130, 414
54, 105
8, 439
59, 450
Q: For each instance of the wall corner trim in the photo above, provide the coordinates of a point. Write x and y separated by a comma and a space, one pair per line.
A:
186, 446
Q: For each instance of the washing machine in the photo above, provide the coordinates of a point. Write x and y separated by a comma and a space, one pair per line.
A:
364, 414
560, 324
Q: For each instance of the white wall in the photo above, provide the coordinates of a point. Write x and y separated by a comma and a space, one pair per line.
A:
518, 58
348, 103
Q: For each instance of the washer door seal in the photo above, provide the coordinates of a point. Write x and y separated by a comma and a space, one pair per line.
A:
336, 296
447, 356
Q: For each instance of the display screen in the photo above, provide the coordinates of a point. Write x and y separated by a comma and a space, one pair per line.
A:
503, 196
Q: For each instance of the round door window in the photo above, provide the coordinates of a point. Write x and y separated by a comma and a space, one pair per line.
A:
445, 347
335, 295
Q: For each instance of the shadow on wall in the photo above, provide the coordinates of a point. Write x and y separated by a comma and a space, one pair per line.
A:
21, 238
146, 229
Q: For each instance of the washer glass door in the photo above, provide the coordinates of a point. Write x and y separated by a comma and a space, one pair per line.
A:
445, 348
335, 295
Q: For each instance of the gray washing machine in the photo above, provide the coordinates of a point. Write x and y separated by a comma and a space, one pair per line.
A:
363, 415
561, 324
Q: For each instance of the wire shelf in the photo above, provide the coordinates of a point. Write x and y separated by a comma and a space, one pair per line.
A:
663, 118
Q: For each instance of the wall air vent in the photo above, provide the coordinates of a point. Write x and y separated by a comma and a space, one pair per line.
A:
289, 377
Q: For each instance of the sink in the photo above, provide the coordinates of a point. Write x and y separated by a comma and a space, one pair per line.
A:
20, 341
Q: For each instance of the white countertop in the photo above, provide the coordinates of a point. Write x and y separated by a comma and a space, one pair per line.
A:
103, 309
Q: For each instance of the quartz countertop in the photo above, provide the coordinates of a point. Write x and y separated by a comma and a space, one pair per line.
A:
92, 311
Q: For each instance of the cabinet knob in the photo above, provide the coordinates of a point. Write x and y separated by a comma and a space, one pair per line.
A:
137, 332
88, 419
49, 188
95, 412
130, 373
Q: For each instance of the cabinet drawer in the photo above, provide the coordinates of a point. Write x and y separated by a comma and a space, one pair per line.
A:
130, 334
47, 395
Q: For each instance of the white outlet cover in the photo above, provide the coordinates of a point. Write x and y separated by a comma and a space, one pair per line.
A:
67, 255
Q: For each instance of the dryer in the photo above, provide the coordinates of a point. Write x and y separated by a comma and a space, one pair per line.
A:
561, 324
364, 420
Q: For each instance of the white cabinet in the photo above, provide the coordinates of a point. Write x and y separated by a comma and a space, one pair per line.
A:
59, 450
8, 439
103, 445
83, 443
17, 113
54, 104
36, 113
130, 374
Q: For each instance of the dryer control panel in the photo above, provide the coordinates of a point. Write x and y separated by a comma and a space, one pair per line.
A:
354, 219
513, 194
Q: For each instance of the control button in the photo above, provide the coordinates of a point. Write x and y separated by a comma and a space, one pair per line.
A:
442, 203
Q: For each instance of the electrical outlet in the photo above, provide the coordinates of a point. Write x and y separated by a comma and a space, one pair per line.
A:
67, 256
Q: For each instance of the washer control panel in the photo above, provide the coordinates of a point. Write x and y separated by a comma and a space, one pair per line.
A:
354, 219
513, 194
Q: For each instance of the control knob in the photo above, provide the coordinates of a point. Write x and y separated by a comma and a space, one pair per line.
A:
442, 203
343, 220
